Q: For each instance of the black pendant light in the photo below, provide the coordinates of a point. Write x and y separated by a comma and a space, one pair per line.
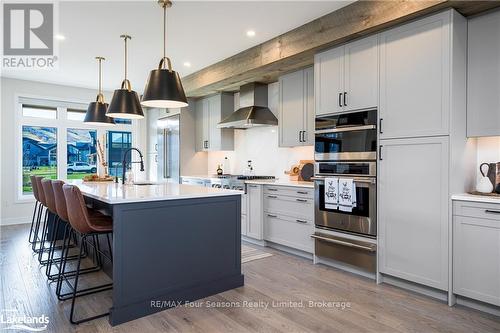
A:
164, 87
125, 102
96, 112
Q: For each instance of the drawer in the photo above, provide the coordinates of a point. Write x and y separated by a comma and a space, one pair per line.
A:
290, 191
288, 231
479, 210
291, 206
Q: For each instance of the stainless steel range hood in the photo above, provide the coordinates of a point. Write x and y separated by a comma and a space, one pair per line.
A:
253, 109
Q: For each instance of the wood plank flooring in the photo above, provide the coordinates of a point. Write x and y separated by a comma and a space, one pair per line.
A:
279, 278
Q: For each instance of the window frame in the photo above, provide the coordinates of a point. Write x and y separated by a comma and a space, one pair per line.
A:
62, 124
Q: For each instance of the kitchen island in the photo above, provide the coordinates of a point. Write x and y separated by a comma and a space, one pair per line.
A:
171, 243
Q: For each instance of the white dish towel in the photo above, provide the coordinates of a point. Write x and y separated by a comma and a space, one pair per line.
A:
331, 193
347, 194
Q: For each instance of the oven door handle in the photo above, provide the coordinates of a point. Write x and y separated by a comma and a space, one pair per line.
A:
339, 242
346, 129
356, 180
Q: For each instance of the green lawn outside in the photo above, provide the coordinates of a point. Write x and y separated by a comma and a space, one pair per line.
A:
47, 172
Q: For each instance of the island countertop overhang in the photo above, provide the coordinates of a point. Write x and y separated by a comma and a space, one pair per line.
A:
117, 193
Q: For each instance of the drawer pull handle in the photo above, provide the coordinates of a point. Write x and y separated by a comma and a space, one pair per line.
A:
302, 192
348, 244
253, 186
301, 221
489, 211
271, 215
272, 189
301, 200
272, 196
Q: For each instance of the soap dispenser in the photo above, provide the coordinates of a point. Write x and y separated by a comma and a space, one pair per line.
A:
484, 184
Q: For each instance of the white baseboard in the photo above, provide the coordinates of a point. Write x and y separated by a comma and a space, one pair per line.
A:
290, 250
343, 266
15, 220
477, 305
441, 295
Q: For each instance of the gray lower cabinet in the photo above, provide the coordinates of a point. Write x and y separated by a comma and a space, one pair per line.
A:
209, 112
476, 251
296, 109
483, 75
254, 210
289, 216
413, 210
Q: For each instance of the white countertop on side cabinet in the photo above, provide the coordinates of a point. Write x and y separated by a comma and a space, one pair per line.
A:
475, 198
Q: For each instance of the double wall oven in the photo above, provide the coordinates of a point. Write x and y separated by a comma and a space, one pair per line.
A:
346, 147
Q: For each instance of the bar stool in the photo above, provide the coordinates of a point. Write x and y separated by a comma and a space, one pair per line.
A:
62, 213
41, 197
86, 223
35, 218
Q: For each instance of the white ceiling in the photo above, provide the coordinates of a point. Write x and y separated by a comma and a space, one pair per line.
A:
199, 32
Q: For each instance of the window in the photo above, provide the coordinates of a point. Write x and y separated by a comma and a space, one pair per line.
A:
118, 142
81, 152
39, 112
39, 154
78, 115
54, 142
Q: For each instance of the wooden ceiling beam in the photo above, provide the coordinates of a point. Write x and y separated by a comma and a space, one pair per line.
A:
295, 49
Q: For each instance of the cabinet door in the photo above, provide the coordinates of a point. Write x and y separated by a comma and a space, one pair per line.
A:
214, 117
254, 211
476, 253
206, 124
361, 74
199, 126
152, 130
292, 107
483, 82
413, 210
329, 80
309, 107
415, 78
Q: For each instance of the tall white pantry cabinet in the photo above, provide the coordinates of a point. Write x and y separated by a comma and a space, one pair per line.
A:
422, 143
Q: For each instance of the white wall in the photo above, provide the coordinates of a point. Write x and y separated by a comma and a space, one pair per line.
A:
261, 146
13, 211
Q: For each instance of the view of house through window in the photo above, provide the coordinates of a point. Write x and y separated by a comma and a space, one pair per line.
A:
39, 154
118, 142
47, 124
81, 152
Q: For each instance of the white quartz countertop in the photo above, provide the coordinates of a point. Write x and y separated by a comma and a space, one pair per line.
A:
277, 182
281, 182
113, 193
475, 198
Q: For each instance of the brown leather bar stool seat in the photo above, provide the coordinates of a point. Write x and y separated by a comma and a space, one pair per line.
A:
50, 203
87, 223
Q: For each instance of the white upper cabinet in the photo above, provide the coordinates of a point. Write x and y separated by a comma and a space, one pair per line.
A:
483, 89
296, 110
209, 112
361, 74
414, 210
415, 78
346, 77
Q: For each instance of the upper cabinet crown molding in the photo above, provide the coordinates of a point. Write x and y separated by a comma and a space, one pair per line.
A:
483, 76
296, 108
209, 112
346, 77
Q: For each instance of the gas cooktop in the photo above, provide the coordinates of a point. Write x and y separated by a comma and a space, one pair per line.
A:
243, 177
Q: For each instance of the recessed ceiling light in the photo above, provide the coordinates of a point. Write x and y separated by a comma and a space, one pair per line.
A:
59, 37
187, 64
250, 33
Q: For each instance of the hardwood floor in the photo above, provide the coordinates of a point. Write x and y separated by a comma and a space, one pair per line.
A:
279, 278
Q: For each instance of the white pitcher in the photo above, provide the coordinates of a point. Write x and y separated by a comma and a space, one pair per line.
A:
484, 184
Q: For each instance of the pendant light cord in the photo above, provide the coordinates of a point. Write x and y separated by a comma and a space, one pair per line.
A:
100, 96
126, 82
164, 31
165, 61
